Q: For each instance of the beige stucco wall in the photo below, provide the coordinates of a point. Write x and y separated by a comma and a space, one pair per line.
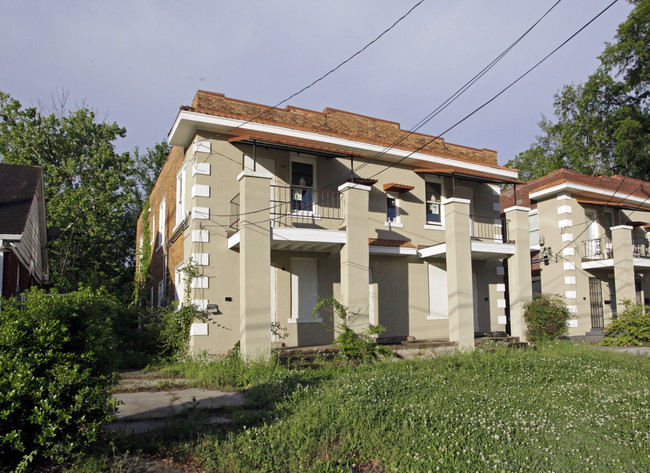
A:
401, 282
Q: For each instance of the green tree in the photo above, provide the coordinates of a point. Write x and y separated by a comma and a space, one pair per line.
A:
89, 190
603, 125
147, 167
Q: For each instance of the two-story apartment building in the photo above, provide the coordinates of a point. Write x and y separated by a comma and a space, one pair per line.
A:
279, 208
589, 242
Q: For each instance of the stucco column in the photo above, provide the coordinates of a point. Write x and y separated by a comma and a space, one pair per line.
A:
254, 263
519, 269
355, 292
459, 273
623, 266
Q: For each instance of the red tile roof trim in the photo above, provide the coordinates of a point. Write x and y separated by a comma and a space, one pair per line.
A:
390, 243
337, 123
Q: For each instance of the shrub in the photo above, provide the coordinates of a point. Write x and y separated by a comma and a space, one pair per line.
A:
546, 318
56, 371
632, 327
356, 345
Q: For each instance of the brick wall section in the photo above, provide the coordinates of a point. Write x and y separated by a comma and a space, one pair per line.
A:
338, 123
621, 184
165, 187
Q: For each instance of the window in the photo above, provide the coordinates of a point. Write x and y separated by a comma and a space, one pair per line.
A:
161, 292
161, 224
154, 230
179, 283
433, 202
302, 185
392, 211
180, 195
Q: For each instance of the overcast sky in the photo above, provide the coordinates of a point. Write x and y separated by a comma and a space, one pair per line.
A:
137, 61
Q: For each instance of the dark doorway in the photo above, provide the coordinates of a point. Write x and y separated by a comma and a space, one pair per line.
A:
596, 302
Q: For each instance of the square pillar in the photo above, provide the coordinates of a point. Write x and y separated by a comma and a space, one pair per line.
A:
459, 273
520, 284
355, 292
254, 264
623, 265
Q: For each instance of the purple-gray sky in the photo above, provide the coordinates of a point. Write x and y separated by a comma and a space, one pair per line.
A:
137, 61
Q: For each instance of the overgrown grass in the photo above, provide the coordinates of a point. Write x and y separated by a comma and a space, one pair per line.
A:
562, 408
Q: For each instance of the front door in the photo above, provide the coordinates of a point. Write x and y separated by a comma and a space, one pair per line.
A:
596, 302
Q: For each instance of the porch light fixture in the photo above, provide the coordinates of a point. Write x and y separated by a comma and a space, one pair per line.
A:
545, 253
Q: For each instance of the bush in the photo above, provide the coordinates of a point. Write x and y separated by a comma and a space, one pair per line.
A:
546, 318
355, 345
56, 371
632, 327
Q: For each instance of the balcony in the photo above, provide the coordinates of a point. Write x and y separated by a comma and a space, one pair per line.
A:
598, 249
640, 247
489, 228
301, 219
488, 240
294, 205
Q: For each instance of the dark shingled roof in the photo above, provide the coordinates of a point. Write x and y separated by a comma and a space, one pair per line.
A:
18, 185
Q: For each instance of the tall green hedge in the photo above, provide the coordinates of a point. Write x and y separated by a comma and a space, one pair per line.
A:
56, 370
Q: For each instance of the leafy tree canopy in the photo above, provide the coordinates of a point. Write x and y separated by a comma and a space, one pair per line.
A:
92, 192
603, 125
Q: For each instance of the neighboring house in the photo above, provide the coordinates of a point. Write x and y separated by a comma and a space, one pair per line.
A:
279, 208
23, 231
588, 242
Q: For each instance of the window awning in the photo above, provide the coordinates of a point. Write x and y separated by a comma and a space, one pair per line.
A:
364, 181
468, 174
399, 188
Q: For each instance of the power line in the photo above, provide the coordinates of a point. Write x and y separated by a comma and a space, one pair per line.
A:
466, 86
331, 71
476, 110
500, 92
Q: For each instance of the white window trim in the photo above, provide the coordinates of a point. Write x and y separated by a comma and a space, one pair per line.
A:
397, 223
181, 184
161, 292
162, 221
443, 198
153, 229
179, 283
306, 159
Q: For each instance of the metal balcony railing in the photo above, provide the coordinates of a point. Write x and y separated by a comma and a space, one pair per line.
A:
640, 247
295, 204
489, 228
599, 248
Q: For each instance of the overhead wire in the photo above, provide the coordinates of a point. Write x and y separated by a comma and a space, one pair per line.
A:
476, 110
331, 71
466, 86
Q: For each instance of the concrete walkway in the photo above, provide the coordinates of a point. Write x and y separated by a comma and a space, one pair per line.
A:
148, 410
632, 350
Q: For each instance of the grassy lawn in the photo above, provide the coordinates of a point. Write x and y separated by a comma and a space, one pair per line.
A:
564, 408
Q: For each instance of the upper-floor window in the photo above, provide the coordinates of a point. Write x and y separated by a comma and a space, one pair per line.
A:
161, 223
180, 195
392, 210
433, 192
302, 184
154, 230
